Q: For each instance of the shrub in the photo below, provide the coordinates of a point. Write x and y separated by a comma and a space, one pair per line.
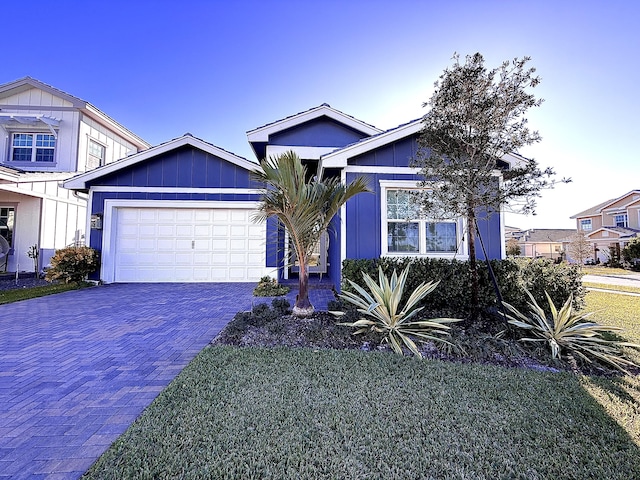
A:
514, 275
72, 264
382, 312
566, 331
269, 287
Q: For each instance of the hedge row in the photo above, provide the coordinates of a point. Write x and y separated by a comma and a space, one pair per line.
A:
453, 292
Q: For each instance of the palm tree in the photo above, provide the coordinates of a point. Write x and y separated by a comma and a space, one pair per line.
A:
304, 207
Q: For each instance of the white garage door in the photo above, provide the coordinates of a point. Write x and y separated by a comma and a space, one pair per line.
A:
188, 245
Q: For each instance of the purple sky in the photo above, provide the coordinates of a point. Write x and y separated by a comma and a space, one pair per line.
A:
219, 68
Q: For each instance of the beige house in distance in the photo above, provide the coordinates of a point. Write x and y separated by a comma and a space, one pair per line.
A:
611, 224
541, 242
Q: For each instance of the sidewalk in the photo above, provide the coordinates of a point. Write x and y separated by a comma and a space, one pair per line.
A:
630, 280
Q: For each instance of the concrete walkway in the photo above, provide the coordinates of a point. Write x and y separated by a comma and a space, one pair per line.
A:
629, 280
77, 368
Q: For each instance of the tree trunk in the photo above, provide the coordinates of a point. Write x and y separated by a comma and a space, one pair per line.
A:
303, 307
473, 265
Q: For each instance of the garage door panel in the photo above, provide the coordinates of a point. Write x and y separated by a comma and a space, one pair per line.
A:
188, 245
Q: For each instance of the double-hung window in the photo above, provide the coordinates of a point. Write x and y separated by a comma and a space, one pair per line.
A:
585, 225
621, 220
33, 147
408, 233
96, 153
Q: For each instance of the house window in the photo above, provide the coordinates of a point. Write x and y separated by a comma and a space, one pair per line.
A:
585, 225
96, 153
7, 217
407, 233
621, 220
33, 147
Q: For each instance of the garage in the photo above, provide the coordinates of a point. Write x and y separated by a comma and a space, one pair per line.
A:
187, 245
178, 212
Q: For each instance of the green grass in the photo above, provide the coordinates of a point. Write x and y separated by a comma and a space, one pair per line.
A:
598, 270
618, 396
9, 296
295, 413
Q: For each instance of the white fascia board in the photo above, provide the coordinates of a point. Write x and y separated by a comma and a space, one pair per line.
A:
603, 229
79, 182
133, 189
605, 207
261, 134
307, 153
339, 158
109, 122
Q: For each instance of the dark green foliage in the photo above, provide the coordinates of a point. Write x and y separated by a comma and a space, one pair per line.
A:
631, 252
269, 287
451, 297
73, 264
281, 306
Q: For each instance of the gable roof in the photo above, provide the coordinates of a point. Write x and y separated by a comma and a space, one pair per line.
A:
622, 232
261, 134
27, 83
79, 182
338, 158
597, 210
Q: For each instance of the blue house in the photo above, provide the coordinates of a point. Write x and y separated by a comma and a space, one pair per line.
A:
182, 211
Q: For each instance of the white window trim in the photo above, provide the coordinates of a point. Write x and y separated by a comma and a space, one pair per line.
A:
626, 219
33, 147
590, 225
101, 161
385, 185
110, 217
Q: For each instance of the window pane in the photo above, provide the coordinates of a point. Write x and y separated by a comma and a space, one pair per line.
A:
6, 223
22, 140
21, 155
441, 237
45, 141
401, 205
403, 237
44, 155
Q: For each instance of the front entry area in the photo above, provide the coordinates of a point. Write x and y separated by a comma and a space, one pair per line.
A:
186, 245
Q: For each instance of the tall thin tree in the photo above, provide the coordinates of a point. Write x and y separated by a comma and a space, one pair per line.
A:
475, 119
303, 207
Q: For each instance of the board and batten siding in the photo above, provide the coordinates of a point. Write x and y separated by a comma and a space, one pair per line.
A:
320, 132
116, 147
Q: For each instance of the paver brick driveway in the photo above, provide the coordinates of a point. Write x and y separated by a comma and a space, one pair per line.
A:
77, 368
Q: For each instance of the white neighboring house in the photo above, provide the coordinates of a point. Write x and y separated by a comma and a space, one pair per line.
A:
46, 137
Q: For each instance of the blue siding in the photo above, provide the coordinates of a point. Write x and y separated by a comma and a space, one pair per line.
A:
364, 222
183, 167
320, 132
395, 154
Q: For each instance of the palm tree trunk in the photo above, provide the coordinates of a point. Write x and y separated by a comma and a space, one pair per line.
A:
303, 307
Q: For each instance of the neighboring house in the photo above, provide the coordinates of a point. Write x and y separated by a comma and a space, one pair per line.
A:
610, 225
46, 137
541, 242
182, 211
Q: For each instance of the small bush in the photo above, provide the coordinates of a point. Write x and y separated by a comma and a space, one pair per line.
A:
269, 287
72, 264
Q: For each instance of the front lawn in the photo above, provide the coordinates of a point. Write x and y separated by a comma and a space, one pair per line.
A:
317, 413
17, 294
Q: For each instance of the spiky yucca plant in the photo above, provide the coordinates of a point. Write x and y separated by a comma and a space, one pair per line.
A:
570, 331
383, 314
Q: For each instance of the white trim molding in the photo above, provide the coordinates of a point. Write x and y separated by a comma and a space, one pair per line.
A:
110, 217
461, 252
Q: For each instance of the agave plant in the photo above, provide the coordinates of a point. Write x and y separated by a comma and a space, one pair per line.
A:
383, 314
570, 331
